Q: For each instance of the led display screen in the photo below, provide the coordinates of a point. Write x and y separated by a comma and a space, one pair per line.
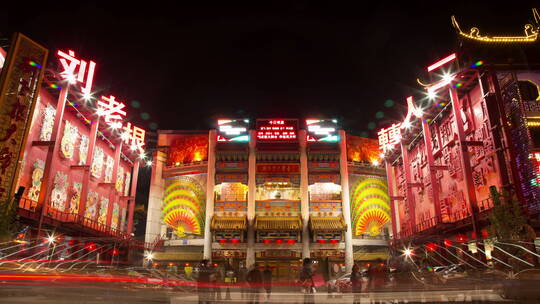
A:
233, 130
322, 130
277, 130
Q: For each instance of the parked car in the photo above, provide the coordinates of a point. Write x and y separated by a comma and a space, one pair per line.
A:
343, 283
455, 271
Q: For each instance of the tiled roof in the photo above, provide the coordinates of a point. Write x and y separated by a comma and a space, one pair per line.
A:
327, 223
278, 223
229, 223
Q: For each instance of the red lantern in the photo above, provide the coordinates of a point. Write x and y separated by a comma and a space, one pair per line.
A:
235, 241
485, 233
90, 246
431, 246
334, 241
462, 238
291, 241
447, 243
115, 252
321, 241
279, 241
267, 241
222, 241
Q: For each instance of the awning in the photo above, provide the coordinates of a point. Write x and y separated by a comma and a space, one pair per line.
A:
278, 223
177, 256
222, 223
327, 223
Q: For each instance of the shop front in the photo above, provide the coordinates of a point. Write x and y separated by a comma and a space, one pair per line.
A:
284, 263
229, 238
277, 239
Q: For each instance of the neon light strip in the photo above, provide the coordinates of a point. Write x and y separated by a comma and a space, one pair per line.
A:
441, 62
440, 84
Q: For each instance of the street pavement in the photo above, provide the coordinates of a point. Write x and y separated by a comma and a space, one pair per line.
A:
445, 296
88, 294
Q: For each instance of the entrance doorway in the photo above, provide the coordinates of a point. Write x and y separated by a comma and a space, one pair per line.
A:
282, 270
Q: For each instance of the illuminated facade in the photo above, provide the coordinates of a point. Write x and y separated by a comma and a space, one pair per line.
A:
77, 165
272, 191
477, 127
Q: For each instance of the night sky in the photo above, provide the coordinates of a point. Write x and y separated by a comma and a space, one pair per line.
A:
180, 67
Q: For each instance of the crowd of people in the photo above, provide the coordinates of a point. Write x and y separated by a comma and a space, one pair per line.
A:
256, 285
211, 282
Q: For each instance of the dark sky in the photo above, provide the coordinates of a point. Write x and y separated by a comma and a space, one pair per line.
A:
185, 65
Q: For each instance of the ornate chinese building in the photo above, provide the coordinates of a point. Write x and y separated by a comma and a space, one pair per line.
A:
271, 191
475, 130
68, 159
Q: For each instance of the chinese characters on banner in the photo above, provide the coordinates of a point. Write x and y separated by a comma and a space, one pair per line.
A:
134, 136
111, 110
73, 75
19, 85
412, 109
389, 137
113, 113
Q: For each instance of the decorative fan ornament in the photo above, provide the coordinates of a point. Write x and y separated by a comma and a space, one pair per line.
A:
183, 206
370, 206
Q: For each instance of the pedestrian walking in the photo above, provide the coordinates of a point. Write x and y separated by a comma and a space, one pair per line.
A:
254, 279
216, 281
203, 282
306, 281
356, 283
267, 281
242, 273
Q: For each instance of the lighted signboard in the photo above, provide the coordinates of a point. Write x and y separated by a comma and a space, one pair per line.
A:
322, 130
233, 130
281, 130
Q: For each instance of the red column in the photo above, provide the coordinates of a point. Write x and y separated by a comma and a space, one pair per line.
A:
113, 194
132, 195
89, 157
408, 181
390, 182
470, 192
432, 171
506, 138
53, 147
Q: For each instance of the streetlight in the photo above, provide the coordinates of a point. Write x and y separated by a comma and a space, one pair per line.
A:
408, 252
51, 240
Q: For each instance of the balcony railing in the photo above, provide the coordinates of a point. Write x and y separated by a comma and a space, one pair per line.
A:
30, 211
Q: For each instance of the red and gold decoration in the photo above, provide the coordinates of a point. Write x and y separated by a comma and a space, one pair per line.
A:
75, 198
37, 175
188, 149
361, 149
69, 139
59, 192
